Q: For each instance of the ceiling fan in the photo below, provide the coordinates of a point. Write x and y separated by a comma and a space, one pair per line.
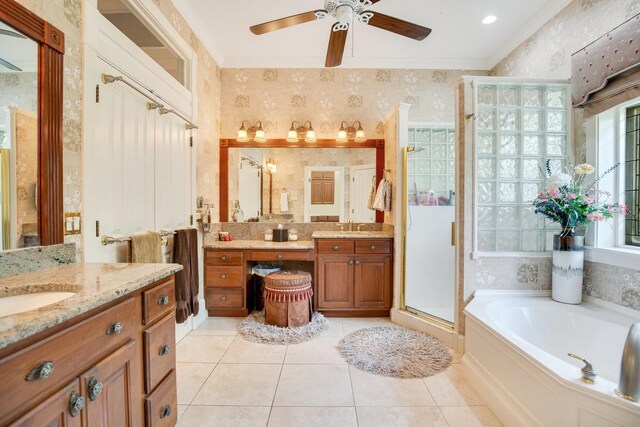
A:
3, 61
344, 11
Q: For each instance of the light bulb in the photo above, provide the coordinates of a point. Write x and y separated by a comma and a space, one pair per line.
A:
360, 136
242, 135
292, 136
260, 137
489, 19
342, 136
311, 136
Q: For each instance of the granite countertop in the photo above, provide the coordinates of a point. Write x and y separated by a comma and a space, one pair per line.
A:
259, 244
352, 234
94, 285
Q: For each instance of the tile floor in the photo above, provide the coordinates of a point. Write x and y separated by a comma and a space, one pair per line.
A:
224, 380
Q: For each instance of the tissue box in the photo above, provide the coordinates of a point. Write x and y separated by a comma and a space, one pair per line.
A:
280, 235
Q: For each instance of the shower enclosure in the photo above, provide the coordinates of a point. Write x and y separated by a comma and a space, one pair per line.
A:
428, 221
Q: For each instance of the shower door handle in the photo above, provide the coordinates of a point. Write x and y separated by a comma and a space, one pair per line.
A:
453, 234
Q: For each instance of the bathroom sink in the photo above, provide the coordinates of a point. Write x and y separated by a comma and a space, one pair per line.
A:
15, 304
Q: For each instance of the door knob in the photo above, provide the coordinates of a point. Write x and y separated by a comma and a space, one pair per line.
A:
372, 247
76, 404
164, 350
279, 256
223, 276
350, 262
115, 329
223, 257
166, 411
163, 300
41, 371
223, 297
357, 262
336, 248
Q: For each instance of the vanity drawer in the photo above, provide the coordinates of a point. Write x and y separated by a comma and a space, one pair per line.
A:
280, 255
225, 276
159, 301
224, 258
373, 246
335, 246
27, 375
225, 297
161, 406
159, 351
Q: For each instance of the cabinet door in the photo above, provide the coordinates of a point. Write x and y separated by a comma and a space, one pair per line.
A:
111, 388
63, 409
373, 281
335, 281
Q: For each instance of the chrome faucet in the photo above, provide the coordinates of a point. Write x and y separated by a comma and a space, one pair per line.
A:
350, 223
588, 373
629, 384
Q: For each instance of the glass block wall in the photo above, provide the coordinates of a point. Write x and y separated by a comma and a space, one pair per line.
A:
518, 127
431, 167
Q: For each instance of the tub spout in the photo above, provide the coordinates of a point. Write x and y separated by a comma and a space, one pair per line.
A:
629, 384
588, 373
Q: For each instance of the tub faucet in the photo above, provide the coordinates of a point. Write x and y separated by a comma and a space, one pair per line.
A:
629, 384
588, 373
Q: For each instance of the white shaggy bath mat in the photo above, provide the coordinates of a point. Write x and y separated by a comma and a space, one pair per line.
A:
395, 352
254, 329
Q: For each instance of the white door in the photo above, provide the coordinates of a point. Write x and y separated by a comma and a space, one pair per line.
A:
119, 170
249, 189
361, 179
172, 174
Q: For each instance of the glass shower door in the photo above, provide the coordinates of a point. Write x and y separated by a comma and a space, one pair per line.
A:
429, 214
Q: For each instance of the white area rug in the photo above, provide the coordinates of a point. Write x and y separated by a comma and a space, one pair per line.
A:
395, 352
254, 329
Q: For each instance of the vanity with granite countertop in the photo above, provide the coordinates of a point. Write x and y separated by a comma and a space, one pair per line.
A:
352, 271
90, 345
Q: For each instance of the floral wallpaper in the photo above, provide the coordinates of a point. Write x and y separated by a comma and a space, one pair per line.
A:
17, 90
328, 96
547, 54
26, 143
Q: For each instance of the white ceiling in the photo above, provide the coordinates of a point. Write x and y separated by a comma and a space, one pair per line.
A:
459, 39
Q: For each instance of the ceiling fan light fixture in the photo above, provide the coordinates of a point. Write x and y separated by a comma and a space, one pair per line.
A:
489, 19
344, 14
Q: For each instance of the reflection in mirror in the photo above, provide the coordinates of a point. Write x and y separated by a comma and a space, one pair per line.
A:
301, 184
18, 139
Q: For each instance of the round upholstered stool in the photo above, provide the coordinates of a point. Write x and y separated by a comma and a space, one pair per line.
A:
287, 298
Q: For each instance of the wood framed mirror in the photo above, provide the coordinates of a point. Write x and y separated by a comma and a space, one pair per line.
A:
47, 187
375, 145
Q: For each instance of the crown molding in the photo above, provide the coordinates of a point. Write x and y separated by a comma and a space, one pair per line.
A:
530, 28
397, 63
200, 29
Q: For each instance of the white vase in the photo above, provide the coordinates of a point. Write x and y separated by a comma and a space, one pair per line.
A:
568, 267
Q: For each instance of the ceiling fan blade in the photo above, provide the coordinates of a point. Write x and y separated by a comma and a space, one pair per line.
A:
289, 21
12, 34
398, 26
337, 42
9, 65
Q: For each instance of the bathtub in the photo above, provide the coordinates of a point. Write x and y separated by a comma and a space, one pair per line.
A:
516, 346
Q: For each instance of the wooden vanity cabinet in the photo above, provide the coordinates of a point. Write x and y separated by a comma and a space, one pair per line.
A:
354, 277
96, 369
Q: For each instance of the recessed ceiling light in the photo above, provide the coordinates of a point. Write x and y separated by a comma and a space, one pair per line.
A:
489, 19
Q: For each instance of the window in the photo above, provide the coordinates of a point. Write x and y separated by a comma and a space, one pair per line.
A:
123, 18
632, 175
432, 167
519, 127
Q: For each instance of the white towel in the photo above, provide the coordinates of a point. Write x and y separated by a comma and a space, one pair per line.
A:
383, 196
284, 202
372, 194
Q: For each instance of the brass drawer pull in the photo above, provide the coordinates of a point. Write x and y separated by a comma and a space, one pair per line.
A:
357, 262
279, 256
115, 329
163, 300
164, 350
76, 404
95, 388
350, 262
166, 411
336, 248
372, 247
223, 297
41, 371
223, 276
223, 258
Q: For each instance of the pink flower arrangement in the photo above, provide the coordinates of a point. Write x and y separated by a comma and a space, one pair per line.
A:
568, 201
